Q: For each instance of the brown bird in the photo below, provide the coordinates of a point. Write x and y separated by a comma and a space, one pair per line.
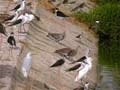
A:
57, 37
68, 53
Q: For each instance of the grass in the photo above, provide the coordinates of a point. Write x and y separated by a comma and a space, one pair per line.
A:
109, 29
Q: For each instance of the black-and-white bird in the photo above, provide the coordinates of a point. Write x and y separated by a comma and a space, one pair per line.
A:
95, 25
19, 7
59, 62
59, 13
2, 29
22, 19
82, 71
11, 40
57, 37
12, 18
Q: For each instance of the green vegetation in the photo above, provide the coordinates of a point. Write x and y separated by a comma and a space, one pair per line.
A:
109, 29
101, 2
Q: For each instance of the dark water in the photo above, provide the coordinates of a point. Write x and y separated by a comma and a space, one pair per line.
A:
108, 70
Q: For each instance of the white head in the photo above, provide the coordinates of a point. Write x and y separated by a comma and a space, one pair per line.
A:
97, 22
56, 10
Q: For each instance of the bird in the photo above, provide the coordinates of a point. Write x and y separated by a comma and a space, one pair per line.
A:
86, 86
57, 37
26, 64
11, 18
95, 25
68, 53
59, 13
11, 40
3, 29
58, 63
83, 71
19, 7
31, 13
79, 35
23, 19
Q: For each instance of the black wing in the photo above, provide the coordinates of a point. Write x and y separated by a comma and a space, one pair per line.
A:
18, 6
73, 68
16, 22
59, 13
58, 63
79, 60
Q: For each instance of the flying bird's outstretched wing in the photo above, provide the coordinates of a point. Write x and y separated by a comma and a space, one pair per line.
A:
58, 63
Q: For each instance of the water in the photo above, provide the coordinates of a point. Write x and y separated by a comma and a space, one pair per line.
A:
108, 71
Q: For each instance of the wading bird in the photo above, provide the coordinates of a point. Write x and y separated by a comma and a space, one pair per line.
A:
11, 18
83, 71
57, 37
26, 64
59, 13
19, 7
68, 53
23, 19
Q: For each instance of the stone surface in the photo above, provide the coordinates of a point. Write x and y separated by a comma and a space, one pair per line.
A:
72, 5
41, 77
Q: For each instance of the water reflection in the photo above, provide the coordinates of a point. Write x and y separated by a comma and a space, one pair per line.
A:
108, 71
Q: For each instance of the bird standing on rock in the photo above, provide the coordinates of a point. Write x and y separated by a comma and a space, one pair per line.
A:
83, 71
56, 36
12, 18
26, 65
59, 13
19, 7
68, 53
23, 19
11, 40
